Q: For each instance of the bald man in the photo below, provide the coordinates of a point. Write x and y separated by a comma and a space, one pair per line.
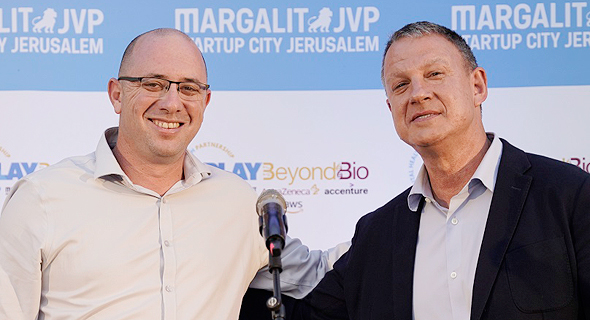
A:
140, 228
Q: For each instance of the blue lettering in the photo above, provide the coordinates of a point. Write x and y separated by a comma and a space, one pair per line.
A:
29, 168
240, 171
220, 165
253, 169
13, 172
247, 172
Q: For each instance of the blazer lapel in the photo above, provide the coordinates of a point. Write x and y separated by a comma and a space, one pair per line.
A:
510, 193
405, 236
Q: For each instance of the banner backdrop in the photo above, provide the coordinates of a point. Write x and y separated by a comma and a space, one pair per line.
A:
297, 101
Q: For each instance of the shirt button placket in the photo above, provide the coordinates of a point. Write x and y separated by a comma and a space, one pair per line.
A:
168, 259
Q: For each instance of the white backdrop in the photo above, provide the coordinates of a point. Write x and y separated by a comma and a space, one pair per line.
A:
276, 118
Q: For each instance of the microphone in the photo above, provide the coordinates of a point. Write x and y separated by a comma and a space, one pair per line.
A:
270, 207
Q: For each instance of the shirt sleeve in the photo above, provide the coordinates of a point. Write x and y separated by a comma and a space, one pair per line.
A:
9, 306
302, 269
22, 235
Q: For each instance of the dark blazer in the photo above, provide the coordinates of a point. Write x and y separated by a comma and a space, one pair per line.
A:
534, 261
254, 306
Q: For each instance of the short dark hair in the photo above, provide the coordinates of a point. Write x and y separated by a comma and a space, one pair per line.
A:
423, 28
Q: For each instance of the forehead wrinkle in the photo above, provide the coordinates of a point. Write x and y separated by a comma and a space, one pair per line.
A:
196, 80
437, 61
402, 67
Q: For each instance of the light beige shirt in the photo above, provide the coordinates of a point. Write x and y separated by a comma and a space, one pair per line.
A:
449, 241
79, 240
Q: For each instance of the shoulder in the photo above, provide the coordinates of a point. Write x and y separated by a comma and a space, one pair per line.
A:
548, 177
224, 177
554, 168
386, 213
553, 178
76, 164
542, 167
222, 183
58, 174
50, 181
539, 167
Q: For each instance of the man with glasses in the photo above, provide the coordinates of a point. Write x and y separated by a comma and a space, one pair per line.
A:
140, 229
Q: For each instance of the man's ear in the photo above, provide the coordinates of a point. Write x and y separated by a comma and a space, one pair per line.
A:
114, 89
388, 105
208, 97
480, 85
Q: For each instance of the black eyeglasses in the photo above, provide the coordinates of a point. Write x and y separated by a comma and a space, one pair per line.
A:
158, 87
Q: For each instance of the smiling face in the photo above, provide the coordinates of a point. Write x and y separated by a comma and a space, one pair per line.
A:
158, 129
433, 96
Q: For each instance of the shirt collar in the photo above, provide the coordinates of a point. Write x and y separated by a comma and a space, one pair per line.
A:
106, 163
194, 170
486, 173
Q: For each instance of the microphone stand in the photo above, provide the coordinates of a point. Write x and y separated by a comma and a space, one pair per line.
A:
272, 222
274, 303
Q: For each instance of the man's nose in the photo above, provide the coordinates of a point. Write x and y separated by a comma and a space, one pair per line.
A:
420, 91
171, 99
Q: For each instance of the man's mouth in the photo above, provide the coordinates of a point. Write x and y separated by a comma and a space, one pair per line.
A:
166, 125
423, 116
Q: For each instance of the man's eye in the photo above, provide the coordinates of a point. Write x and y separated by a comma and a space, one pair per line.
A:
435, 73
189, 89
400, 85
153, 85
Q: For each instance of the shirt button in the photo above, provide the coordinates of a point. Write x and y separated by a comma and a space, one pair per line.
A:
453, 275
168, 288
427, 200
454, 220
167, 243
163, 200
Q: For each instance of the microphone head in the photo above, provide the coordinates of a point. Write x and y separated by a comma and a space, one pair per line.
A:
268, 196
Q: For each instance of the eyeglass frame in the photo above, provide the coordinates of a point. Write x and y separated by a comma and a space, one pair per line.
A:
203, 86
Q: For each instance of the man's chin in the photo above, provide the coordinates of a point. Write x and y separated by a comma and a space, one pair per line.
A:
425, 141
167, 151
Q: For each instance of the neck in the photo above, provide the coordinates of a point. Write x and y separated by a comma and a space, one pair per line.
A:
158, 177
450, 168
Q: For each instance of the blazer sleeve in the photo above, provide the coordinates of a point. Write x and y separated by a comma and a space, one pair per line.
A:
327, 301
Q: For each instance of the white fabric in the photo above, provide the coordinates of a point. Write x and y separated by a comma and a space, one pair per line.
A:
9, 306
79, 240
449, 241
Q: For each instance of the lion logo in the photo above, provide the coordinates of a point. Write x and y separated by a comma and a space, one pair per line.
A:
321, 21
46, 22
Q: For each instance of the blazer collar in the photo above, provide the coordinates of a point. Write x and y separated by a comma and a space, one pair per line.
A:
511, 189
405, 236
